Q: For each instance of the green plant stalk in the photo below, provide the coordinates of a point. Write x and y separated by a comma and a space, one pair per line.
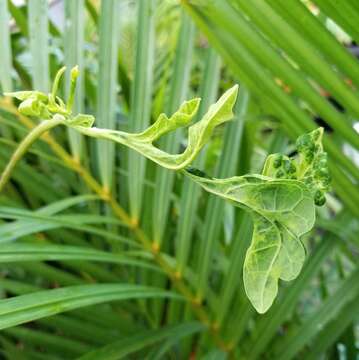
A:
342, 18
190, 193
268, 325
279, 220
331, 332
106, 99
239, 319
296, 47
233, 307
5, 49
310, 26
67, 347
242, 64
304, 122
74, 44
263, 51
19, 17
33, 135
30, 181
179, 89
225, 167
298, 338
141, 94
39, 34
233, 276
5, 58
198, 308
106, 320
80, 329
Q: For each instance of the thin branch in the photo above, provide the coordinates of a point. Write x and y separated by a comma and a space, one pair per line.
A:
105, 195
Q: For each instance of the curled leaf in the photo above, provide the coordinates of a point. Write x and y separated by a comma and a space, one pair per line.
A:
30, 107
182, 117
281, 201
83, 120
282, 211
282, 204
24, 95
198, 134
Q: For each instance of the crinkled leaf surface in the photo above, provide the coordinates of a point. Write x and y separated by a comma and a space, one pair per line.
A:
282, 204
198, 133
310, 166
24, 95
281, 200
282, 211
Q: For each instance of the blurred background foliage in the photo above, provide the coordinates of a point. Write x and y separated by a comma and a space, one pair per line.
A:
106, 225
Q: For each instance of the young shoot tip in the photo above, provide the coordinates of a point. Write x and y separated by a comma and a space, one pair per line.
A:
56, 82
75, 73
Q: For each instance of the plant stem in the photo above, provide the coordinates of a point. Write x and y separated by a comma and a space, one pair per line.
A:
146, 243
31, 137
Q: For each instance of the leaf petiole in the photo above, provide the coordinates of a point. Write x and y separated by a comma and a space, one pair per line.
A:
31, 137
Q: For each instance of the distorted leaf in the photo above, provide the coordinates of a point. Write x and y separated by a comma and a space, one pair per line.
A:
281, 200
81, 120
198, 134
24, 95
282, 206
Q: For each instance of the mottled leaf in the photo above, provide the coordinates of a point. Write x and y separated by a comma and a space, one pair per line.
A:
282, 210
198, 133
281, 200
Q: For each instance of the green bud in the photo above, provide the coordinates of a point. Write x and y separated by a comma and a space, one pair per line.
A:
319, 198
321, 173
277, 162
30, 107
280, 174
326, 181
289, 167
309, 156
70, 100
321, 160
303, 142
74, 73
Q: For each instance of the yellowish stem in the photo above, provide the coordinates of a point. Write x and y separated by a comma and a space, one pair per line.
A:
147, 244
30, 138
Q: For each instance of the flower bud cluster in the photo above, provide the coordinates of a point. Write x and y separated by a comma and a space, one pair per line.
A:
40, 105
310, 166
315, 173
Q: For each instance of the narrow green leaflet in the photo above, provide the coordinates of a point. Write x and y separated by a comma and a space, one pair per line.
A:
129, 345
29, 307
40, 252
282, 205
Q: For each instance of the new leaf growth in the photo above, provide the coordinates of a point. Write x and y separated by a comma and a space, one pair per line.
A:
281, 200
